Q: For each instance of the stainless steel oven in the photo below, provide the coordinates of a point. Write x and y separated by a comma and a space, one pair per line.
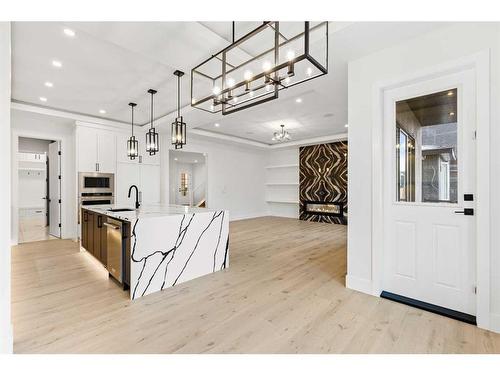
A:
95, 189
94, 182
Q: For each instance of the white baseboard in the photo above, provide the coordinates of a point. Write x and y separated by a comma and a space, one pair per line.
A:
494, 322
243, 217
359, 284
7, 340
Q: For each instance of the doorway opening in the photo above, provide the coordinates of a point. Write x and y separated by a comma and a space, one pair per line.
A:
39, 173
188, 178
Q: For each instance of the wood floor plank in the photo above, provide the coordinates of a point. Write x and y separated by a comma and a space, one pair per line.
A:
282, 293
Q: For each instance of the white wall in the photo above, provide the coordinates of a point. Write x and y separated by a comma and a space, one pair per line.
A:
37, 127
414, 55
6, 345
34, 145
235, 176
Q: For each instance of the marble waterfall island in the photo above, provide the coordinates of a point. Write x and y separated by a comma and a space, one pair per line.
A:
168, 250
168, 245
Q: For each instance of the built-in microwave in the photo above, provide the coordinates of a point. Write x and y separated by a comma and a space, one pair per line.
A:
94, 182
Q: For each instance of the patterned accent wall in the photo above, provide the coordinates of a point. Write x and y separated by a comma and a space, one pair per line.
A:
323, 178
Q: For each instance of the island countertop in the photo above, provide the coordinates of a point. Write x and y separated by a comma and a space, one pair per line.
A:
171, 244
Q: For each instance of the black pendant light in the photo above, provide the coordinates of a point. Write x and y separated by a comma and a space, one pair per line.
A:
152, 138
178, 126
132, 143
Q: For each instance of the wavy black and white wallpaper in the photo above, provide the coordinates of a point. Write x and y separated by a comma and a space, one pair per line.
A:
323, 178
169, 250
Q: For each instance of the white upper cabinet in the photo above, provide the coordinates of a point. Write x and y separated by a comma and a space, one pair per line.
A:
106, 151
96, 150
87, 149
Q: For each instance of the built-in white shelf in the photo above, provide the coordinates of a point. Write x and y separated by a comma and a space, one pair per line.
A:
282, 201
282, 166
282, 184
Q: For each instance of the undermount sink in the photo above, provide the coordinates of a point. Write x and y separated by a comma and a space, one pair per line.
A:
120, 209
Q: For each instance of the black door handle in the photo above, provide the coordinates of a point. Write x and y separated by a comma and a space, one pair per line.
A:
466, 211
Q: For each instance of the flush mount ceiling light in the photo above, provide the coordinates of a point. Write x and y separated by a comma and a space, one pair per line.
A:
253, 69
132, 143
152, 138
69, 32
282, 135
49, 84
56, 63
43, 99
178, 126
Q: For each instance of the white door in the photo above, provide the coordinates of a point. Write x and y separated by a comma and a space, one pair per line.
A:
54, 189
127, 174
429, 165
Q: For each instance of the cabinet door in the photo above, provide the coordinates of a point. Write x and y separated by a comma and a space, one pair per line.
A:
97, 235
150, 184
126, 175
84, 227
87, 149
90, 232
106, 151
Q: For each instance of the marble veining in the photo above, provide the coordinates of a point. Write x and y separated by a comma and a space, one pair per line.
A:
169, 250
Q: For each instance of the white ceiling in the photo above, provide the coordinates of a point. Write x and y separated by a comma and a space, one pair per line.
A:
108, 64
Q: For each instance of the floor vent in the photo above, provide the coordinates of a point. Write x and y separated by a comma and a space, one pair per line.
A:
463, 317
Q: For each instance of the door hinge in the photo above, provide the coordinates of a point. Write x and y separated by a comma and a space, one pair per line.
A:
475, 134
475, 289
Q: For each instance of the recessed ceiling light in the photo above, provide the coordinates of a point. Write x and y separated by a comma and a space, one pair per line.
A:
69, 32
175, 159
346, 125
56, 63
196, 161
298, 100
49, 84
43, 99
216, 125
102, 111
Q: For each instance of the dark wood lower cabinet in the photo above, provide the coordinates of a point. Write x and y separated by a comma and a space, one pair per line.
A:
93, 235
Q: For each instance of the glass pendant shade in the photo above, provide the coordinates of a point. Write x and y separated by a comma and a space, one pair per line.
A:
132, 143
282, 136
178, 131
132, 148
152, 138
254, 68
152, 142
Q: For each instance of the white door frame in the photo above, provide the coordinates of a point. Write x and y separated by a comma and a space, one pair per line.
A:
16, 134
480, 64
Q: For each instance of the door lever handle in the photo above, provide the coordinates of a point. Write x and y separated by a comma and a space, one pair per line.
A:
466, 211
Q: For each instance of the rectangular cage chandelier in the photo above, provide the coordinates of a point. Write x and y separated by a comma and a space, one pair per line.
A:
253, 69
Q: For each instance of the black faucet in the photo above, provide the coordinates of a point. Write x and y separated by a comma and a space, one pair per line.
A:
137, 204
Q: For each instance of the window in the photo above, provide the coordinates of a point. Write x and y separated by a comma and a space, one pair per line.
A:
426, 148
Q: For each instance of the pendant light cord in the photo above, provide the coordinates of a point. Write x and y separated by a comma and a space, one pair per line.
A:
132, 121
152, 110
178, 96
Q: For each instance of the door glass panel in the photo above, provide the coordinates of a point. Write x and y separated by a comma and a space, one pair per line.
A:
426, 148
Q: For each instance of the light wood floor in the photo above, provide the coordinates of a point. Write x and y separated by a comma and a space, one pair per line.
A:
33, 228
282, 293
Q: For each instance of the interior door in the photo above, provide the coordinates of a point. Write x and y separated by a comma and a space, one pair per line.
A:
54, 192
429, 186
